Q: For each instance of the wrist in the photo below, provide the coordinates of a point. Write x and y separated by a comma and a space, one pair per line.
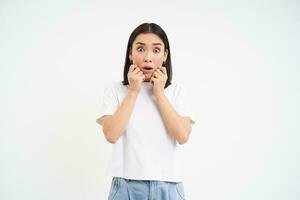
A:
132, 93
160, 95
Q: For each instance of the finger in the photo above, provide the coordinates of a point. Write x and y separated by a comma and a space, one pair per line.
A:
159, 77
143, 77
159, 72
136, 70
159, 69
152, 80
139, 73
163, 69
132, 68
162, 74
154, 77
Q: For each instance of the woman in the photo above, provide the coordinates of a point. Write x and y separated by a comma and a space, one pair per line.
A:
145, 117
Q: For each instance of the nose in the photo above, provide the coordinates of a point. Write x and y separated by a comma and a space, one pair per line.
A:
147, 57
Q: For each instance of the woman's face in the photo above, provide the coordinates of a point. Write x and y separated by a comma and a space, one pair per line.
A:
148, 53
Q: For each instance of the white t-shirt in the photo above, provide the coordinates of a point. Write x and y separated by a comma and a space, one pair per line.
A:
145, 151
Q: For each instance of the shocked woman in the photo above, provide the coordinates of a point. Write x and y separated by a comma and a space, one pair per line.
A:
146, 117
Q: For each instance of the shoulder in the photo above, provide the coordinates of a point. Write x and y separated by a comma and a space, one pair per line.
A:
115, 86
175, 88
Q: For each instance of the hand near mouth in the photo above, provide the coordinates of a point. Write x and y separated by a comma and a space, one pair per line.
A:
135, 78
159, 79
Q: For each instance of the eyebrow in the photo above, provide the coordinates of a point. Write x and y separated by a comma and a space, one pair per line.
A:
141, 43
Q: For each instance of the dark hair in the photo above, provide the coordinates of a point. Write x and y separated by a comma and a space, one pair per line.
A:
157, 30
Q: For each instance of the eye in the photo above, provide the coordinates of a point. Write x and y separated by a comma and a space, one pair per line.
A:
156, 50
140, 49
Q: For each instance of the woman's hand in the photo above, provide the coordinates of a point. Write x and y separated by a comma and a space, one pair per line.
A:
159, 79
135, 78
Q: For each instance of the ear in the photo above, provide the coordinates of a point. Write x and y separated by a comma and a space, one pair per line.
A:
130, 55
166, 54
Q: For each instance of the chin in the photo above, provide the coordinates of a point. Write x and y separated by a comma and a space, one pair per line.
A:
148, 78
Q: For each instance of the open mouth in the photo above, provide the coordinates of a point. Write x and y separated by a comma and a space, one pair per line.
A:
147, 69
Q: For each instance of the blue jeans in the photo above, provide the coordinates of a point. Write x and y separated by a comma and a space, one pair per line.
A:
128, 189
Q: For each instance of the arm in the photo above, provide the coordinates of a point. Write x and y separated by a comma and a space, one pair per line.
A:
114, 125
179, 127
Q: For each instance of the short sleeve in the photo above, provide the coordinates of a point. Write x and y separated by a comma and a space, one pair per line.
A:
183, 104
109, 102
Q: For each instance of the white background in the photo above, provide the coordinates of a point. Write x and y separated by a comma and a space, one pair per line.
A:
239, 61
